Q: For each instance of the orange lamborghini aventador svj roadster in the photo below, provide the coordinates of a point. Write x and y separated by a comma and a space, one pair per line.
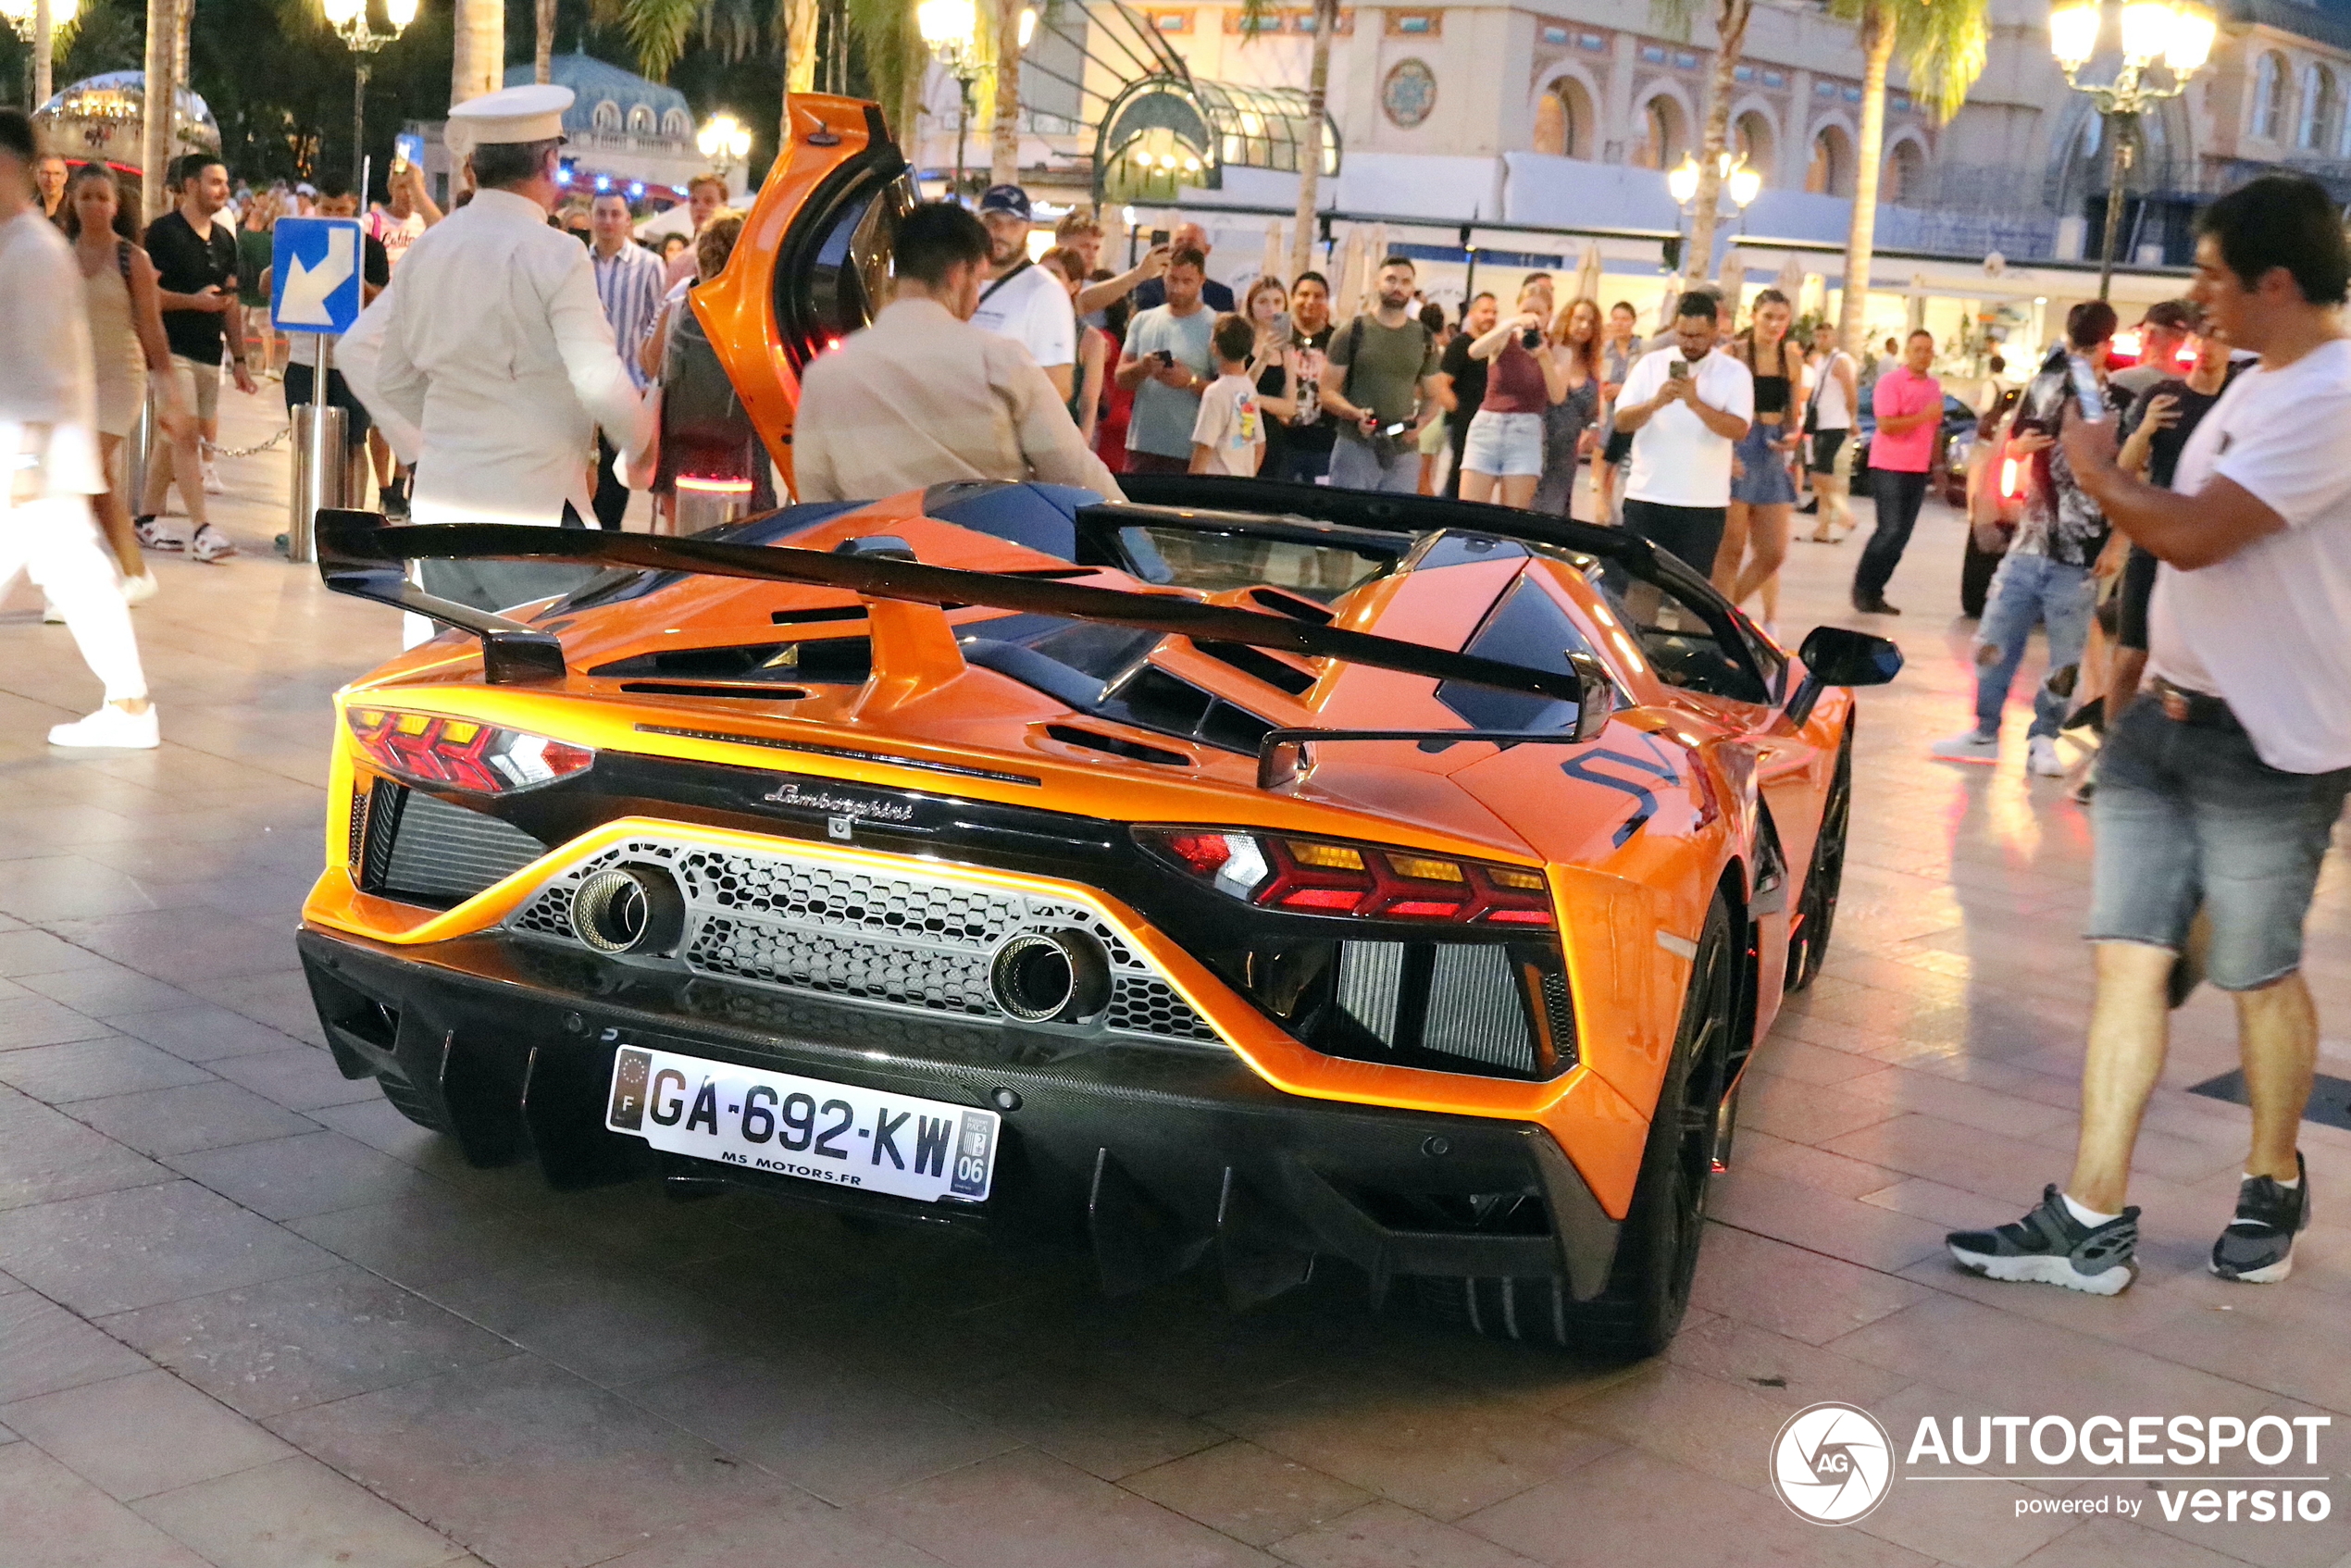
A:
1238, 876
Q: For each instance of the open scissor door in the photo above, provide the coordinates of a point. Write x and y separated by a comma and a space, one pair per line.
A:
813, 263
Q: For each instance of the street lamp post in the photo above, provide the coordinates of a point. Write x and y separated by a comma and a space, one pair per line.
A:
349, 19
951, 30
725, 140
2179, 32
37, 24
1737, 180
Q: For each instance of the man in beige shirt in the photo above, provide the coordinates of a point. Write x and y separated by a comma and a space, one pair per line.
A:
923, 397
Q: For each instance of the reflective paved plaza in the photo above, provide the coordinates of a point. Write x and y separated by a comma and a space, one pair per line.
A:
249, 1316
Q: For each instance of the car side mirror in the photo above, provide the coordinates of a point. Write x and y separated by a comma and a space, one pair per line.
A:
1599, 699
1835, 655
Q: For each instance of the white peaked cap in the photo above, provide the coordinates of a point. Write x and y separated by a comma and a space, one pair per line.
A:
530, 113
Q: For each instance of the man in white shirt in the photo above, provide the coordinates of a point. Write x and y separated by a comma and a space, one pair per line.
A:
497, 348
49, 466
2220, 786
924, 397
1685, 405
628, 284
1021, 300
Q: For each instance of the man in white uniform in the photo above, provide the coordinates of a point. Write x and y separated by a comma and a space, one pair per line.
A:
496, 347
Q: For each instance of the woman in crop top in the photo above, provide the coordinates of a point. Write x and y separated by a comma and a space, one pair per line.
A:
1502, 459
1762, 491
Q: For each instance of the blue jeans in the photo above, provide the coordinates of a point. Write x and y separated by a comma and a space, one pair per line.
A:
2029, 589
1355, 465
1899, 498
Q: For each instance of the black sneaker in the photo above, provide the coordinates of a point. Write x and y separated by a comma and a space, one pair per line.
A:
2258, 1247
2050, 1247
1873, 605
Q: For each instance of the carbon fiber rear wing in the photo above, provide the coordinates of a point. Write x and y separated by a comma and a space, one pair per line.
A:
359, 554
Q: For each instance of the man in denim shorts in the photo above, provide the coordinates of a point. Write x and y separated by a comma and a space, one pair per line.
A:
2219, 786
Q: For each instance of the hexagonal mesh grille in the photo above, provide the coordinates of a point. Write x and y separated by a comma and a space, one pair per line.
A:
913, 940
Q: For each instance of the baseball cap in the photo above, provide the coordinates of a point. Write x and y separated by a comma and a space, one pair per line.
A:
1004, 198
2176, 316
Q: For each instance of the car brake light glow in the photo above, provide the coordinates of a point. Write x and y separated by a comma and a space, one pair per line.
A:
1317, 876
460, 753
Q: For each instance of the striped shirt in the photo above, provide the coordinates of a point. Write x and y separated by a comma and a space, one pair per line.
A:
629, 283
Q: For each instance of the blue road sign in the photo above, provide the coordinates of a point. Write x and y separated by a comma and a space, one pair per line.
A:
314, 280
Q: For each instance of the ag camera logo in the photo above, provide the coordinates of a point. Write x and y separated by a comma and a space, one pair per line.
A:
1831, 1463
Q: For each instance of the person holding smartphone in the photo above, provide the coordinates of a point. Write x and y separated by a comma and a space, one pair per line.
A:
1166, 363
1685, 406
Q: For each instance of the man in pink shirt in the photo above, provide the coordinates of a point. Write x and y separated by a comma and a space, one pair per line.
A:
1908, 405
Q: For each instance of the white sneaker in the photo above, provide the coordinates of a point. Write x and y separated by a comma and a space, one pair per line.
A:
2041, 758
50, 613
1972, 746
139, 590
152, 534
212, 485
111, 728
211, 544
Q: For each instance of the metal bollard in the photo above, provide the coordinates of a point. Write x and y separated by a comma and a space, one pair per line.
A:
706, 503
321, 454
318, 473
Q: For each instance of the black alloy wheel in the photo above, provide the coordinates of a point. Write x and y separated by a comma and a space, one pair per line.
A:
1657, 1249
1808, 941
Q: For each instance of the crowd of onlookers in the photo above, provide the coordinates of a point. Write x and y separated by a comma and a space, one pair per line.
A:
186, 300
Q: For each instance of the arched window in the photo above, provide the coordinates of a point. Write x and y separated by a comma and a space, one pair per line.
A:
1831, 171
678, 125
641, 121
2317, 107
608, 117
2269, 91
1753, 139
1563, 119
1903, 181
1664, 134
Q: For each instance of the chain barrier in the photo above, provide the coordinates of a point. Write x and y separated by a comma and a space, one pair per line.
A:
218, 452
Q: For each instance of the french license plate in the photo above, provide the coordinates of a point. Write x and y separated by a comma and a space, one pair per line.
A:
805, 1127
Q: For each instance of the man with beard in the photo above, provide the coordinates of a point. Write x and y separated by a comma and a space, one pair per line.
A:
1382, 388
1021, 300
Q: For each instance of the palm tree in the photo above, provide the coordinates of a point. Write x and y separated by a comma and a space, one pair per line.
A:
479, 62
1943, 44
544, 59
1730, 18
1257, 17
1003, 158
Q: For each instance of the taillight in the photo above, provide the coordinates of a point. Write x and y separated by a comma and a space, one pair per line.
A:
459, 754
1361, 882
2011, 478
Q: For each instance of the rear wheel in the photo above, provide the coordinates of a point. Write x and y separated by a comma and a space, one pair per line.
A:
1649, 1287
1808, 941
1975, 577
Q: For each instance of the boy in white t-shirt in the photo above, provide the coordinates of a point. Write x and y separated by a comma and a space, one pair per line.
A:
1228, 437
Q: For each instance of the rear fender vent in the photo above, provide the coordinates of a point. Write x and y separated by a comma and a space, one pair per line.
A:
420, 848
1117, 746
824, 661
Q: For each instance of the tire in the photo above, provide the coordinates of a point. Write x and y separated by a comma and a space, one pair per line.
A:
1808, 943
1657, 1248
1975, 577
427, 1114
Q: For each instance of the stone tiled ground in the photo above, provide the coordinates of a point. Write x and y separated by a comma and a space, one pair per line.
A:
249, 1316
